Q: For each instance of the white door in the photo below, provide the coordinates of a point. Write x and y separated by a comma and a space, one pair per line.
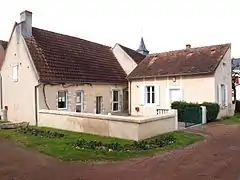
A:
175, 95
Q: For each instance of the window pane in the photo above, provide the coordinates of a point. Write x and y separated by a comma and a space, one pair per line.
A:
148, 89
61, 105
115, 95
115, 106
62, 99
153, 88
148, 97
153, 97
78, 108
79, 97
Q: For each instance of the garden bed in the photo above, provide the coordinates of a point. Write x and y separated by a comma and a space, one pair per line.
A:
78, 146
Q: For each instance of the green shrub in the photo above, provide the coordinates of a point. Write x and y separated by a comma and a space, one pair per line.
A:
181, 106
40, 133
237, 109
212, 111
161, 141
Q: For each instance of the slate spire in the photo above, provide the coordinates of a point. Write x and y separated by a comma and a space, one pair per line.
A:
142, 48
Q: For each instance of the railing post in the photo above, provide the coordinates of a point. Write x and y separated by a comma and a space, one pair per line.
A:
204, 114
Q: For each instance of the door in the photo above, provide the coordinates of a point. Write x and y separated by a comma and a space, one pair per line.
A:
175, 95
79, 101
125, 100
99, 100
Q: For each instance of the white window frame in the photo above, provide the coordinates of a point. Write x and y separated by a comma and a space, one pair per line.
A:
15, 73
81, 103
118, 102
220, 95
66, 99
151, 94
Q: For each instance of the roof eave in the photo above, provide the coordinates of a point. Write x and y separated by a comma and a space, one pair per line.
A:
170, 75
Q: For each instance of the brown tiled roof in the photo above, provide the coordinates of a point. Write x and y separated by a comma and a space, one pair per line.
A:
201, 60
62, 58
137, 57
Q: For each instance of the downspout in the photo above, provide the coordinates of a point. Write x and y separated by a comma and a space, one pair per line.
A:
44, 96
36, 102
129, 97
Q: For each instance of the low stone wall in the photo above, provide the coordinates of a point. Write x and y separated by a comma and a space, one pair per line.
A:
125, 127
10, 125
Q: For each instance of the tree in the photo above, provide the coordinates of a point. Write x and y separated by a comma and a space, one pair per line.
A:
235, 76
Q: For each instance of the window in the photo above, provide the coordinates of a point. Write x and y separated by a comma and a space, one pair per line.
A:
150, 94
222, 95
99, 100
79, 101
62, 100
15, 73
116, 98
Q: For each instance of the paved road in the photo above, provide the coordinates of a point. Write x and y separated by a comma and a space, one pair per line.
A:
218, 157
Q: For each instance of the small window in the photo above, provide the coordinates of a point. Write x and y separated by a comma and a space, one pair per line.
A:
79, 101
15, 73
62, 100
223, 94
116, 99
150, 94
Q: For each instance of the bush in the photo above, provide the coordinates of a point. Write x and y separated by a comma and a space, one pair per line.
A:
212, 111
237, 108
161, 141
181, 106
39, 132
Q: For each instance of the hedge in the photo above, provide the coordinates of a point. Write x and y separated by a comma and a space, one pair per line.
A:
212, 109
237, 109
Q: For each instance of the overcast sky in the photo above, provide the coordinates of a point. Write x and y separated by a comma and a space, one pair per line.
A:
164, 24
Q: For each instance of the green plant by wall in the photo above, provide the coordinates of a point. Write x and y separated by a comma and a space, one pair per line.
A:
212, 111
181, 106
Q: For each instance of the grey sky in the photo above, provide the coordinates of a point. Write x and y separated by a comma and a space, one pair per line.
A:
164, 24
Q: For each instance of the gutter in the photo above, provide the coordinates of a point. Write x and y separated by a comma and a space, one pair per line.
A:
169, 75
130, 91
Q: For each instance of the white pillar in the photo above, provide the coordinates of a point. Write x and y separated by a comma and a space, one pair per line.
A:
176, 118
204, 114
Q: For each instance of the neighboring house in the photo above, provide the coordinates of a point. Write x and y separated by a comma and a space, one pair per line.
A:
3, 47
192, 74
48, 70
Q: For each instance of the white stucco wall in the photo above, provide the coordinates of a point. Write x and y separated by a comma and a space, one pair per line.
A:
223, 75
188, 85
127, 63
90, 93
19, 96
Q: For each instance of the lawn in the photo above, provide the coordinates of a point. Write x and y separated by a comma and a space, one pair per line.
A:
1, 122
60, 148
231, 120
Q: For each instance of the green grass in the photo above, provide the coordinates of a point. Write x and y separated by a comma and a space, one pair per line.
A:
58, 147
231, 120
1, 122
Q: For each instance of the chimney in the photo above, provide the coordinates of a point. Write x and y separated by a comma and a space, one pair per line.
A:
188, 46
26, 23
